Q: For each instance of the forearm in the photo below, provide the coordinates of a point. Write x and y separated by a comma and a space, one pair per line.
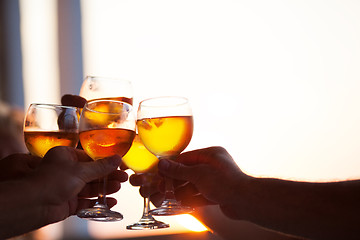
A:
20, 208
314, 210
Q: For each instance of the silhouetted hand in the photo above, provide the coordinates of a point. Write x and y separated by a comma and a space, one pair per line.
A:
210, 176
60, 185
201, 177
150, 186
74, 182
18, 166
73, 100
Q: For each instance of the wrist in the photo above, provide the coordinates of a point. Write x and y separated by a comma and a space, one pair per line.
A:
235, 207
34, 188
21, 209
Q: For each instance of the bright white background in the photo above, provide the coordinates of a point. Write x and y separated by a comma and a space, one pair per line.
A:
274, 82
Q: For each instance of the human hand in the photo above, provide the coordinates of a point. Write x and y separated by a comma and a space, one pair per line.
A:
65, 180
18, 166
150, 186
211, 176
73, 101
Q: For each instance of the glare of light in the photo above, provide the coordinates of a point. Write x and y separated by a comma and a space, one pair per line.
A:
53, 231
40, 51
130, 205
276, 84
287, 75
191, 223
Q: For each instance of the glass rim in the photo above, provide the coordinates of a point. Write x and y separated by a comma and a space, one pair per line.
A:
184, 101
106, 100
52, 105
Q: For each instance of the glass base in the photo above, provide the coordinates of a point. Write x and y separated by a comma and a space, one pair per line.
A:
147, 223
100, 214
171, 207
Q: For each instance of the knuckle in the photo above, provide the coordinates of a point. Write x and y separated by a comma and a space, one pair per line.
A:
102, 166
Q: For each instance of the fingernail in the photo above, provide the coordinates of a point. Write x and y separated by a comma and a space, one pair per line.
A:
163, 164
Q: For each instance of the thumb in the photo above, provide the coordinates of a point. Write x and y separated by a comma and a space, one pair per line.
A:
100, 168
179, 171
73, 100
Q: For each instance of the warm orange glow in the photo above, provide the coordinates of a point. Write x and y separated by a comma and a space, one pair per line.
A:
191, 223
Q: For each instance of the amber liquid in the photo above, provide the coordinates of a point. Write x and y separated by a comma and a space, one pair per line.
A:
105, 106
139, 159
95, 118
122, 99
166, 136
38, 142
101, 143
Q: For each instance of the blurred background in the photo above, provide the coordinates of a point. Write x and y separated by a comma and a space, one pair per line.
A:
274, 82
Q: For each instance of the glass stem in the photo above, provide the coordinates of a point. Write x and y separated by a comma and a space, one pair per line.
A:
101, 201
169, 189
146, 207
169, 185
146, 215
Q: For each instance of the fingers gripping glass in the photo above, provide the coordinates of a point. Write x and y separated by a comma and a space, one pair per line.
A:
107, 128
165, 126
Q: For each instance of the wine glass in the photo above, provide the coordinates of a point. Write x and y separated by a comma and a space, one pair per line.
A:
165, 126
94, 87
107, 128
141, 161
50, 125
